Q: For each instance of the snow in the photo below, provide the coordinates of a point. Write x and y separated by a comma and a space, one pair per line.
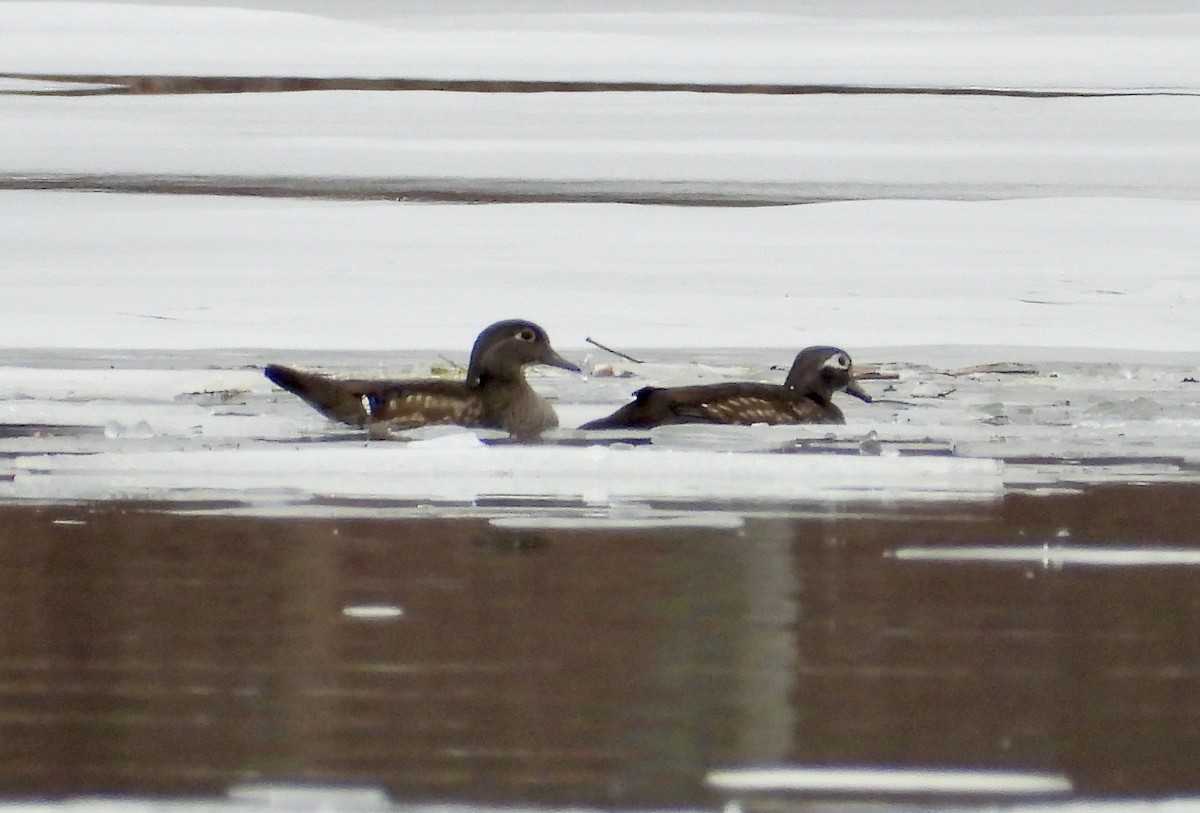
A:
1054, 231
811, 146
146, 272
777, 44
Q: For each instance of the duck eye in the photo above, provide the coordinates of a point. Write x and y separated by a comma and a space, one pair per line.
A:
842, 361
526, 335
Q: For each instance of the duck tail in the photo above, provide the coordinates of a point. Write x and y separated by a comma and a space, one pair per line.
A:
617, 420
332, 398
634, 415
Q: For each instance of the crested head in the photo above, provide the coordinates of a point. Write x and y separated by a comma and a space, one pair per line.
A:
822, 370
505, 347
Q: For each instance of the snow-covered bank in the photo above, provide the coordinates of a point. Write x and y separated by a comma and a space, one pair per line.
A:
1005, 147
86, 270
691, 42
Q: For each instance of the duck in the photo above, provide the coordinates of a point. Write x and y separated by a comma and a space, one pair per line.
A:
806, 396
495, 394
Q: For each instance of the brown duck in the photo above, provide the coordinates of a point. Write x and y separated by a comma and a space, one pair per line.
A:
806, 396
495, 394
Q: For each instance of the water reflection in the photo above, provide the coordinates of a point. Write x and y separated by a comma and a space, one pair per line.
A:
149, 652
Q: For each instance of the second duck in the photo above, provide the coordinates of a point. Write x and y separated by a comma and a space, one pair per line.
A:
806, 396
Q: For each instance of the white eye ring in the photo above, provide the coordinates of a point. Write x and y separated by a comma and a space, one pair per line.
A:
526, 335
839, 362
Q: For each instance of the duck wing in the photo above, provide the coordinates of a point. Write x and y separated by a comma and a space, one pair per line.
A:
743, 404
733, 403
399, 404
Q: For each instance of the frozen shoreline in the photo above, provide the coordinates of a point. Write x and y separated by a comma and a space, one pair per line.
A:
206, 428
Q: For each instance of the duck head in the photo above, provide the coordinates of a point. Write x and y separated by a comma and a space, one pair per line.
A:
822, 371
504, 348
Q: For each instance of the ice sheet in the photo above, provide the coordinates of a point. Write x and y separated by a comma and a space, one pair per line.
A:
808, 147
571, 41
176, 430
103, 271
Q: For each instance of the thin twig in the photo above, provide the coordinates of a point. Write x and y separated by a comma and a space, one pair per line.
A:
590, 340
876, 375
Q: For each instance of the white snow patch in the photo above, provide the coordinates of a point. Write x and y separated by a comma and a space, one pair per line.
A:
373, 612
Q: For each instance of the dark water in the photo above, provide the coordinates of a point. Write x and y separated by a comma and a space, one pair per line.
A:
146, 652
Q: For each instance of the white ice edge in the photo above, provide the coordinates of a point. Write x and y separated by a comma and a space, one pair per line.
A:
888, 780
595, 475
714, 520
1053, 555
373, 612
306, 796
10, 84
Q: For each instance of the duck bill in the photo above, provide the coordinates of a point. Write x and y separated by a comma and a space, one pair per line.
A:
858, 392
553, 359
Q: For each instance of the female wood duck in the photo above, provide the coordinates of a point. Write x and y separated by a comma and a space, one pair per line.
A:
806, 396
495, 394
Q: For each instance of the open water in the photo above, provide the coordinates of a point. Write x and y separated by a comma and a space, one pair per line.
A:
147, 651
